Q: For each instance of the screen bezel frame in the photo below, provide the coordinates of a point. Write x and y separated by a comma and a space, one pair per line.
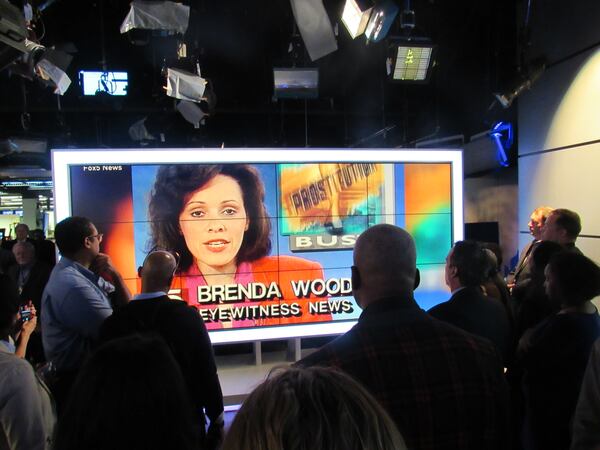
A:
62, 159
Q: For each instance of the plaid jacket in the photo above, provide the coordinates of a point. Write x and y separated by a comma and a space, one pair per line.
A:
444, 388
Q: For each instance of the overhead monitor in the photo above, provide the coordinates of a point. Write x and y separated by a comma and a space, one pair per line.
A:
265, 236
97, 82
296, 82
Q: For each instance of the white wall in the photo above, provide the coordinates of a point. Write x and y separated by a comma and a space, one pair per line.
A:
559, 122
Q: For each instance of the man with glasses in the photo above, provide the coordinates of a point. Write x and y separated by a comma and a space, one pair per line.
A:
180, 325
77, 299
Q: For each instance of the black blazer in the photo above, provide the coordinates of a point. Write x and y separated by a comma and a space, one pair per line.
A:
184, 331
483, 316
35, 284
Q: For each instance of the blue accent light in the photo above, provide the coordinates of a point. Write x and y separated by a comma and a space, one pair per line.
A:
502, 135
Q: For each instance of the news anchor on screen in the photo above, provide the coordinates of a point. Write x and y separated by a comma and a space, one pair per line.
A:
214, 216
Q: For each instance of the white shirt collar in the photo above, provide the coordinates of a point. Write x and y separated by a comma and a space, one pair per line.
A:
457, 290
147, 295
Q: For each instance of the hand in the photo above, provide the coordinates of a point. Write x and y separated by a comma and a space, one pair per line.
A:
28, 327
102, 265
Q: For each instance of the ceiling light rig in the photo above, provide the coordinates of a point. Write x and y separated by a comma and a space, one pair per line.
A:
410, 58
195, 96
315, 27
382, 18
522, 82
27, 58
355, 16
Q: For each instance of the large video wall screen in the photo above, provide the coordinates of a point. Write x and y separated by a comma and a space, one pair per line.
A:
265, 236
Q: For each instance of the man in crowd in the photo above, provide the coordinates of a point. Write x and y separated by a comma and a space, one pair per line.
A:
562, 226
468, 308
29, 274
444, 388
22, 235
30, 277
44, 248
76, 300
182, 328
521, 271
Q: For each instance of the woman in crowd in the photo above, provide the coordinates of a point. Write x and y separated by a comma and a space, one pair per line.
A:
554, 354
129, 395
494, 285
315, 408
214, 216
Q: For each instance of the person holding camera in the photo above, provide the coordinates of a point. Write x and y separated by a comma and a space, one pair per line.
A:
27, 416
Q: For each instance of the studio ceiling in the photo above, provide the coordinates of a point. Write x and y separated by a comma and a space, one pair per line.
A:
238, 43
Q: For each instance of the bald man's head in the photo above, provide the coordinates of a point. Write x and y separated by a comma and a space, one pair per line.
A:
157, 271
385, 259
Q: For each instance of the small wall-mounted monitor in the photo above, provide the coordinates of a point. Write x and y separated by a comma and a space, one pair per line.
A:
97, 82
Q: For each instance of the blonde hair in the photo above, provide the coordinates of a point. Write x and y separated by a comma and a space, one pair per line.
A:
312, 408
543, 212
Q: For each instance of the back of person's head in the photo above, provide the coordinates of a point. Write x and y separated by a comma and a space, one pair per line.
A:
569, 221
472, 263
312, 408
9, 304
540, 257
38, 234
158, 270
492, 264
129, 395
386, 261
572, 278
497, 252
70, 234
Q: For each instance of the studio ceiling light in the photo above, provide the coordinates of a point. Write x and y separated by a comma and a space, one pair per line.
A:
13, 34
502, 135
157, 15
355, 16
315, 27
381, 20
410, 60
522, 82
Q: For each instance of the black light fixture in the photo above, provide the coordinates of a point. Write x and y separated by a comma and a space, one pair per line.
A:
13, 34
522, 82
382, 18
410, 58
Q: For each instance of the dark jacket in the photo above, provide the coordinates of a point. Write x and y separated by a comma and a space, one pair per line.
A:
443, 388
184, 331
483, 316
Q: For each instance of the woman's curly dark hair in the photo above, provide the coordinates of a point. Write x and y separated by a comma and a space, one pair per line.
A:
173, 185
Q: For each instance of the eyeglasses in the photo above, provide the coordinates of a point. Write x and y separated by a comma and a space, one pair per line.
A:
97, 236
